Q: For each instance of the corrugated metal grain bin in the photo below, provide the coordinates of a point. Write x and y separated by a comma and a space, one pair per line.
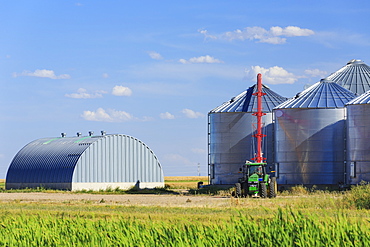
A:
90, 162
231, 130
310, 134
354, 76
358, 139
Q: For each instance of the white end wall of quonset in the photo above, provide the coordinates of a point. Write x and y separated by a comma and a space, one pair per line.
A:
118, 159
123, 186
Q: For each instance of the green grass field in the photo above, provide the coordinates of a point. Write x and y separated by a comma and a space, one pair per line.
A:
48, 224
295, 218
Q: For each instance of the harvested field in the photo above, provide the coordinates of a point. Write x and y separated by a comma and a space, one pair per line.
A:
184, 182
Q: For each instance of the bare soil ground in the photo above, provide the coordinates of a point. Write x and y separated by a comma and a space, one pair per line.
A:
129, 200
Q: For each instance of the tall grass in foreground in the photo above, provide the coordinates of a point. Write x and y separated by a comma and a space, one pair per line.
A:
287, 227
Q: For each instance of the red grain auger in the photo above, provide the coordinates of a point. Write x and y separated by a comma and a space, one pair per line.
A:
255, 180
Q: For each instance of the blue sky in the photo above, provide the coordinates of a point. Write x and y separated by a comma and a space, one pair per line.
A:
154, 69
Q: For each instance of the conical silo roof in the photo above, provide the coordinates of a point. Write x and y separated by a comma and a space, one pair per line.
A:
323, 94
362, 99
247, 102
354, 76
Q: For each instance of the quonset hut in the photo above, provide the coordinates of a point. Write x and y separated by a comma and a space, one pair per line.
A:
85, 162
230, 134
354, 76
358, 136
310, 134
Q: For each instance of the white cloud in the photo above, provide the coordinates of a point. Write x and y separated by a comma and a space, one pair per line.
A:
201, 59
316, 73
290, 31
111, 115
192, 114
105, 75
43, 73
206, 35
155, 55
273, 36
272, 75
121, 91
166, 115
83, 94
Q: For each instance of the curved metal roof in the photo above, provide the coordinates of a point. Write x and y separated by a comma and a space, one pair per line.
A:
247, 102
323, 94
354, 76
48, 159
362, 99
65, 160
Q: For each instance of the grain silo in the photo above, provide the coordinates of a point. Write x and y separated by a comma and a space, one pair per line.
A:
354, 76
85, 162
358, 136
310, 134
230, 134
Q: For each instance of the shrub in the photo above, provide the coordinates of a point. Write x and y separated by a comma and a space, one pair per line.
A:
358, 196
299, 190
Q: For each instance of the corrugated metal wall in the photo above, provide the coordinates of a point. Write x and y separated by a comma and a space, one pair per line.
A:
94, 162
310, 136
118, 158
231, 128
358, 135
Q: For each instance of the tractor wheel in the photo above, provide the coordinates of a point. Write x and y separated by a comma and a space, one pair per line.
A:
272, 187
263, 190
238, 190
245, 189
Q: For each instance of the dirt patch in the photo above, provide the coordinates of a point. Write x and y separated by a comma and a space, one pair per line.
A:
130, 200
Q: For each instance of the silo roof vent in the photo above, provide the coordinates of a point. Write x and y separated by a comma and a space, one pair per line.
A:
355, 61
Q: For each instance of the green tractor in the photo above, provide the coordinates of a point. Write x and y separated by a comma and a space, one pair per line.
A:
255, 182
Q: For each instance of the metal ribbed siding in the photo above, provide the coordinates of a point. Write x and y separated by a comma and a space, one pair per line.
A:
310, 146
358, 136
57, 162
231, 134
46, 161
129, 160
231, 144
310, 134
354, 76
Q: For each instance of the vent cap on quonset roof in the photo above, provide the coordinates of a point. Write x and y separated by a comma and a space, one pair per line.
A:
354, 76
247, 102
